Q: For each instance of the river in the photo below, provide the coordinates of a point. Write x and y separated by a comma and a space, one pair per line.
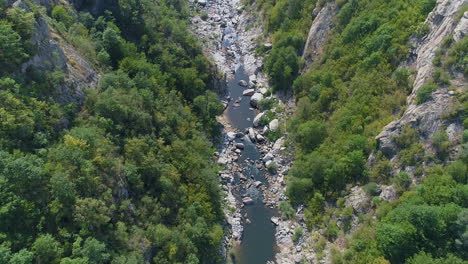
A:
224, 40
258, 240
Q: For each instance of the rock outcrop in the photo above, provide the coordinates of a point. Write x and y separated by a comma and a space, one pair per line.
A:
54, 53
318, 33
427, 118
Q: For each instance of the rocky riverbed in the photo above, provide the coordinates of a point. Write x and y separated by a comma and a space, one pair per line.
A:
229, 36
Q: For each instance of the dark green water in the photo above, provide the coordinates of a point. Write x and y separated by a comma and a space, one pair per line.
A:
258, 241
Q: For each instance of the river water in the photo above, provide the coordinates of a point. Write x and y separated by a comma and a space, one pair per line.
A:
258, 241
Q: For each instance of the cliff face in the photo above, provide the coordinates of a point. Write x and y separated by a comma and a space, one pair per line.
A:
53, 53
318, 33
430, 117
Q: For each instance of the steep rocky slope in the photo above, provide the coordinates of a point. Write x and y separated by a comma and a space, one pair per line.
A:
54, 53
430, 117
318, 33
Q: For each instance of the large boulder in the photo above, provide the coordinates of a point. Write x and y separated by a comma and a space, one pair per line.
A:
275, 220
257, 118
358, 200
243, 83
278, 144
274, 124
248, 92
247, 200
388, 193
255, 99
462, 28
268, 157
252, 134
231, 136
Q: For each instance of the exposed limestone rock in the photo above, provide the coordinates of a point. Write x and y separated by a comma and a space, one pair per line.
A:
454, 132
257, 119
427, 118
318, 33
231, 136
358, 200
442, 23
274, 124
462, 28
275, 220
243, 83
247, 200
53, 53
248, 92
252, 134
268, 157
222, 161
255, 99
260, 138
388, 193
278, 144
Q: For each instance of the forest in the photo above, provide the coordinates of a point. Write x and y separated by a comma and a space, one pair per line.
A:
344, 100
123, 175
123, 171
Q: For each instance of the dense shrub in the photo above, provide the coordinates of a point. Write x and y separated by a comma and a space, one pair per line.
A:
425, 92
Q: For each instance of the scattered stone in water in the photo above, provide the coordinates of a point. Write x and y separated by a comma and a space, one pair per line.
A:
231, 136
268, 157
240, 145
242, 177
260, 138
257, 184
243, 83
252, 134
248, 92
275, 220
247, 200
